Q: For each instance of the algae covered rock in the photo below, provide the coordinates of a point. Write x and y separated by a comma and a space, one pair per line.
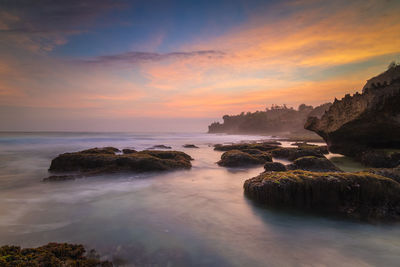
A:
293, 153
392, 173
274, 167
315, 164
380, 158
91, 162
265, 146
361, 195
52, 254
128, 151
237, 158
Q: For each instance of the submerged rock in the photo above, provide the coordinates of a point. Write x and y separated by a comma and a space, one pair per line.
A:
315, 164
190, 146
237, 158
274, 167
88, 163
160, 147
363, 122
52, 254
361, 195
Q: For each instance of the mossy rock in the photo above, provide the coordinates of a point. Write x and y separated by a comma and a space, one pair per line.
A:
266, 146
293, 153
315, 164
87, 163
362, 195
190, 146
52, 254
274, 167
237, 158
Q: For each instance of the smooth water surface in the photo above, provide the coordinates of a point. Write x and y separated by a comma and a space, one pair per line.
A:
198, 217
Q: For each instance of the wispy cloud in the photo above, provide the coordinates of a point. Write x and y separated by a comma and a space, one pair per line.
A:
43, 24
137, 57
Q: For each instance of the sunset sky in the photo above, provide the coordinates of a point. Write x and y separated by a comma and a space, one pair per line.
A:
106, 65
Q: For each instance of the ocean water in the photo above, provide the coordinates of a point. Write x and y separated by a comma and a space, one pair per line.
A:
196, 217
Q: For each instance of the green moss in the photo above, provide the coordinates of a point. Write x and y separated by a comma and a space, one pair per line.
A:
52, 254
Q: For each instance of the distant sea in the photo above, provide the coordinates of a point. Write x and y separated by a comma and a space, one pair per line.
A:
196, 217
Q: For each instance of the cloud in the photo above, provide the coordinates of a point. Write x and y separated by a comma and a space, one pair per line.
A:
137, 57
43, 24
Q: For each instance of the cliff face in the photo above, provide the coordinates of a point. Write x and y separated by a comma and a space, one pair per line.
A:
275, 120
364, 121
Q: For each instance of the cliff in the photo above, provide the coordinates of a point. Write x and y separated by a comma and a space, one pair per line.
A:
276, 119
363, 122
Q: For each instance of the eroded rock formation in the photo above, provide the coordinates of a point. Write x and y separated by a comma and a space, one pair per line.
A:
363, 122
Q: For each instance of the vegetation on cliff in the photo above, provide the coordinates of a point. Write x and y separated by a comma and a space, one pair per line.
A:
276, 119
360, 124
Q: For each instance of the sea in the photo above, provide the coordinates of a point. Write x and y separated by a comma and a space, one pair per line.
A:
196, 217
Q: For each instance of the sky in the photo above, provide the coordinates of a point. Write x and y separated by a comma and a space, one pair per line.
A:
159, 65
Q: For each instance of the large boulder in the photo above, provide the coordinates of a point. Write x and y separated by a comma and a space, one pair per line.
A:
360, 195
237, 158
94, 162
315, 164
363, 122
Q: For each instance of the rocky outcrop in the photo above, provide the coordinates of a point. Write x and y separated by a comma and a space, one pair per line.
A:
52, 254
380, 158
190, 146
363, 122
265, 146
361, 195
274, 167
128, 151
392, 173
293, 153
237, 158
315, 164
160, 147
92, 161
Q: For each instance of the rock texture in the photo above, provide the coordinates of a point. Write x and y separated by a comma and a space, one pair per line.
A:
190, 146
315, 164
237, 158
293, 153
265, 146
361, 195
274, 167
366, 121
104, 160
52, 254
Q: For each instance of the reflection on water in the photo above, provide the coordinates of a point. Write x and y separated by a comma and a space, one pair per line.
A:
198, 217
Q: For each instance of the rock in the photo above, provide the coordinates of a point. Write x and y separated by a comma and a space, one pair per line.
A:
52, 254
128, 151
190, 146
259, 146
360, 195
305, 145
274, 167
237, 158
380, 158
102, 150
87, 163
314, 164
392, 173
363, 122
160, 147
293, 153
